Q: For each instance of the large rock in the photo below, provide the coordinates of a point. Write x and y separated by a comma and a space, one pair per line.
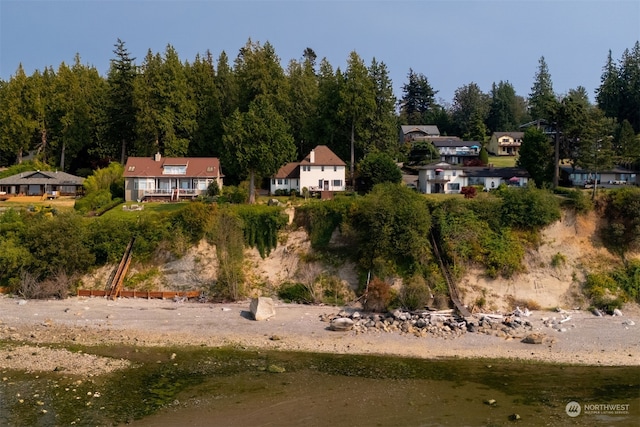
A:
341, 324
262, 308
535, 338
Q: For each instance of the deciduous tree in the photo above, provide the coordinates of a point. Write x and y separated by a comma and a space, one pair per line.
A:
257, 142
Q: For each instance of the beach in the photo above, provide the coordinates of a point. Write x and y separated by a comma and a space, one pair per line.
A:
38, 330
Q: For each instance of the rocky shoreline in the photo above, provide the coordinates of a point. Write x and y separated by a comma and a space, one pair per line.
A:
44, 327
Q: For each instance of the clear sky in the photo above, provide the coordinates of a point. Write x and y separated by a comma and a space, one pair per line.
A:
453, 43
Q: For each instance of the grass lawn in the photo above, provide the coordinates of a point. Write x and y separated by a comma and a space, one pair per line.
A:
503, 161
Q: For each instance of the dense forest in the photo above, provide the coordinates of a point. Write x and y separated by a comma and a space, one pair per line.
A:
76, 120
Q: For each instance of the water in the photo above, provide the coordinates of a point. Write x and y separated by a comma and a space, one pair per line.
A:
227, 387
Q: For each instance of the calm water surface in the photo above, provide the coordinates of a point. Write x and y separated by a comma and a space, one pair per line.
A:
226, 387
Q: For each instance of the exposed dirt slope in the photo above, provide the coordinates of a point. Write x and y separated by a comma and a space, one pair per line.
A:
552, 277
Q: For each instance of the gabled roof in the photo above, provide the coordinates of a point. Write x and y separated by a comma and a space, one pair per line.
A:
42, 178
426, 129
323, 157
204, 167
288, 171
515, 135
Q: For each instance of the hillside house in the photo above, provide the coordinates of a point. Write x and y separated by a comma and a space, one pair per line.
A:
445, 178
576, 176
505, 143
320, 170
169, 178
455, 151
413, 133
41, 183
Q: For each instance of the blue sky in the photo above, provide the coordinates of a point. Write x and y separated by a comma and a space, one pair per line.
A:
453, 43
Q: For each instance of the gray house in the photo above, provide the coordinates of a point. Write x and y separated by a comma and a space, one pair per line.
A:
41, 183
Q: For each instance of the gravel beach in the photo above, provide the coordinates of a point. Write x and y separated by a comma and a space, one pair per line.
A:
32, 331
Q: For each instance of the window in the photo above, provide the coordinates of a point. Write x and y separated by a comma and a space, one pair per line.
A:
174, 170
202, 184
335, 168
337, 183
322, 168
279, 182
273, 181
454, 186
286, 182
453, 173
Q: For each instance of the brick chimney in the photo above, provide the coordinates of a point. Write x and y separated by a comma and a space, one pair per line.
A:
157, 157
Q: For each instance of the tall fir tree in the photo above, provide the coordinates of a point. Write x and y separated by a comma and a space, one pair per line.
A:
121, 110
418, 99
384, 134
542, 100
206, 140
357, 107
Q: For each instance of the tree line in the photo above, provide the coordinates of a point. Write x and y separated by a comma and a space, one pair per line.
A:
255, 115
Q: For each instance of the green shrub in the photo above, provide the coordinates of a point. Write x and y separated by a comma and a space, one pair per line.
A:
528, 207
195, 220
322, 218
295, 292
415, 293
603, 291
575, 199
558, 259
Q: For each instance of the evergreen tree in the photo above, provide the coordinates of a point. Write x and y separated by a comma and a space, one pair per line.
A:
357, 105
327, 122
542, 100
17, 120
302, 101
536, 156
418, 100
470, 104
166, 116
121, 111
608, 94
207, 136
79, 102
629, 107
259, 73
506, 110
384, 133
227, 85
626, 145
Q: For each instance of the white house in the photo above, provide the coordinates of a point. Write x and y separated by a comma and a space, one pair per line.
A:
320, 170
441, 178
445, 178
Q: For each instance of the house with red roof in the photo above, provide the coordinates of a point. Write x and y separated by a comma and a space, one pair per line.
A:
169, 178
320, 170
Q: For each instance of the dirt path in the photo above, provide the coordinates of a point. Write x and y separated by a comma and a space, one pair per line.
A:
589, 340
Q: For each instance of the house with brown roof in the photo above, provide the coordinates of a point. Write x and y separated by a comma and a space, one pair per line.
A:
41, 183
320, 170
169, 178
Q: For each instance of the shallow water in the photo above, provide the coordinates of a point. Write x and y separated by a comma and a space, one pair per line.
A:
224, 387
